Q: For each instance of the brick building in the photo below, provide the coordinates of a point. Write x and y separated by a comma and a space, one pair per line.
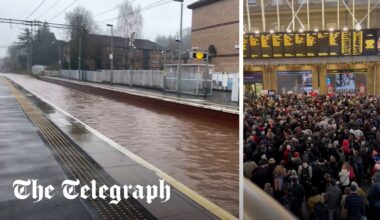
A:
215, 27
97, 48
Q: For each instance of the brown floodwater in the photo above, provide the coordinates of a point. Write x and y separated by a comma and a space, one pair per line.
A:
199, 153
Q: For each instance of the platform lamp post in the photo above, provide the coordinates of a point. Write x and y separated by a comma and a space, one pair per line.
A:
111, 55
179, 69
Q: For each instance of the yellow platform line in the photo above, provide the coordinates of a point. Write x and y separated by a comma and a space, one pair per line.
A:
202, 201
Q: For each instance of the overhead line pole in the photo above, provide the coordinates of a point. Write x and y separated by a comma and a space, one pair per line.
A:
34, 24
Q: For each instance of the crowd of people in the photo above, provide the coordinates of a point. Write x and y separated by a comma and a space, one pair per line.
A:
318, 156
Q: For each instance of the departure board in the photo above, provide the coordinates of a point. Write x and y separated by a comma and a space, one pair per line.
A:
334, 43
300, 44
278, 45
346, 43
311, 44
370, 40
378, 41
323, 44
246, 49
266, 45
255, 46
357, 43
289, 45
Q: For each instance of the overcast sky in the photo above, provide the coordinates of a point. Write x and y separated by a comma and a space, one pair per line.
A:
163, 19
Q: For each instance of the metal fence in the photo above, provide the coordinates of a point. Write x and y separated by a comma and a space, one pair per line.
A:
143, 78
194, 80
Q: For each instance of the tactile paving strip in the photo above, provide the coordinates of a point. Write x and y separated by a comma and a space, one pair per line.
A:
76, 164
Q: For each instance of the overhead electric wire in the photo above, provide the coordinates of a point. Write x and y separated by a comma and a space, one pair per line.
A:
34, 11
52, 6
59, 13
37, 23
153, 5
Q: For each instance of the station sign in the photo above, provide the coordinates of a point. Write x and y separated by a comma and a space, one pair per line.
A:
312, 44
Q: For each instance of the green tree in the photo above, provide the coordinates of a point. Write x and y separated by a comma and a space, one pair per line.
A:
45, 47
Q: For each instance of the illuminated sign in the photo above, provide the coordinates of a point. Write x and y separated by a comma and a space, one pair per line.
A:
289, 45
266, 45
278, 45
357, 43
370, 40
323, 44
300, 44
246, 47
346, 43
334, 43
312, 44
255, 46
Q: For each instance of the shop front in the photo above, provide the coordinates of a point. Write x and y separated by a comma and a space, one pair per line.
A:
346, 81
253, 83
294, 82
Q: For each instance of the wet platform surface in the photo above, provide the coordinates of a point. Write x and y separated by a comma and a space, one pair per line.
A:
201, 153
24, 155
127, 168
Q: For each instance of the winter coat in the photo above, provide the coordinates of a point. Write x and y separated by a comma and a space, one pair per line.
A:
374, 195
344, 177
332, 197
346, 146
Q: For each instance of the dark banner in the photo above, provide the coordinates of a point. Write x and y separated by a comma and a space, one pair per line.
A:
253, 77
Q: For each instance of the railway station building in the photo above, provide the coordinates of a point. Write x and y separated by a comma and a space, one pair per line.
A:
215, 28
326, 46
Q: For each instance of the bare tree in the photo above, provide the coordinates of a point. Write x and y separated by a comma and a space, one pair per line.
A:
81, 17
170, 43
130, 20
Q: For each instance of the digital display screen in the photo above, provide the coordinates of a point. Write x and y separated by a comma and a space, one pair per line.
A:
278, 45
312, 44
323, 44
255, 46
246, 47
370, 40
334, 43
289, 45
346, 43
300, 44
357, 43
266, 45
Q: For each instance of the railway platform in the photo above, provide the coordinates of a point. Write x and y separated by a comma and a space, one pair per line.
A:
40, 141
